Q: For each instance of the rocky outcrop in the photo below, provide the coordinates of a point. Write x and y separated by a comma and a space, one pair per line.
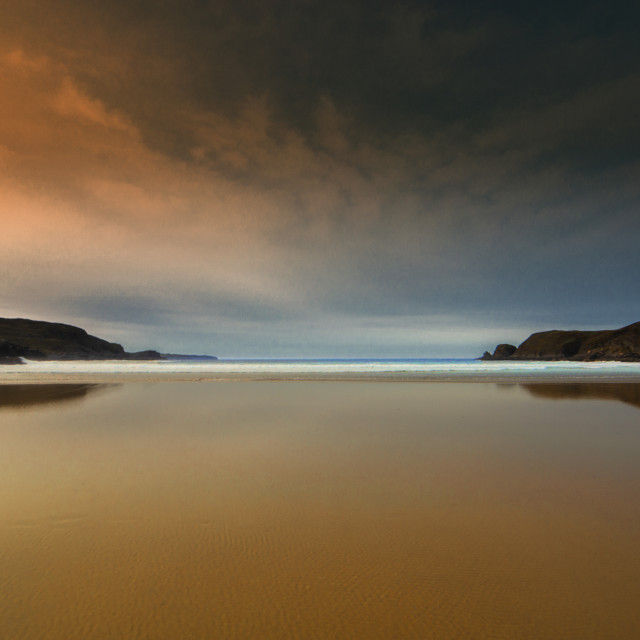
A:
11, 353
501, 352
38, 340
613, 344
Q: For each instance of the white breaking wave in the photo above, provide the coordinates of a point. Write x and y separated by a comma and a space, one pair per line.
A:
327, 368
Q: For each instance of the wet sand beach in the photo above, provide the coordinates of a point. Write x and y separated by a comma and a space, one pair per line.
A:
319, 510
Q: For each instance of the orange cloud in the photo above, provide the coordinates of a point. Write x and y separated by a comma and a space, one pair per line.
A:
73, 103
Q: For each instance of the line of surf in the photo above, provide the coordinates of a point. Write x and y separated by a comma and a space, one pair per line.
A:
320, 369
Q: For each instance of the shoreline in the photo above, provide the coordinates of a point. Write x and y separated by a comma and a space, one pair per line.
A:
119, 378
74, 372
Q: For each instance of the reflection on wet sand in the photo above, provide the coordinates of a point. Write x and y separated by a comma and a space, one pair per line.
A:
624, 392
24, 395
319, 510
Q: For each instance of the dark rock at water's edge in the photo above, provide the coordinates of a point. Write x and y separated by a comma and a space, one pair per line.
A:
501, 352
39, 340
622, 345
11, 353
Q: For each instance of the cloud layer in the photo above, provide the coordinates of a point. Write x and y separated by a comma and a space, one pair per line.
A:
319, 179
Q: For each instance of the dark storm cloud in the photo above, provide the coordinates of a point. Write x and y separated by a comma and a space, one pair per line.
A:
251, 162
440, 71
393, 68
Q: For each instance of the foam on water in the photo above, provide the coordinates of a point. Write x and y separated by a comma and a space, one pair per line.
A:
368, 368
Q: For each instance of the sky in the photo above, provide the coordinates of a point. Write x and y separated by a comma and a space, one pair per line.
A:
320, 179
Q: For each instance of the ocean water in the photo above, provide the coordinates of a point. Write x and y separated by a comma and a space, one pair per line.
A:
340, 368
319, 509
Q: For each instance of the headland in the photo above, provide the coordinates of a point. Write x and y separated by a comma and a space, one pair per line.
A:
620, 345
38, 340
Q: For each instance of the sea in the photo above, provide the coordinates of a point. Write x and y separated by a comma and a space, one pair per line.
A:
341, 368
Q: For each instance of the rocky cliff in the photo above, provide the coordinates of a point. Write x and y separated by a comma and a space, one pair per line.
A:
38, 340
612, 344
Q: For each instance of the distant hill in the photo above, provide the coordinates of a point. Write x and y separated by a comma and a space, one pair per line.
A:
38, 340
186, 356
621, 345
